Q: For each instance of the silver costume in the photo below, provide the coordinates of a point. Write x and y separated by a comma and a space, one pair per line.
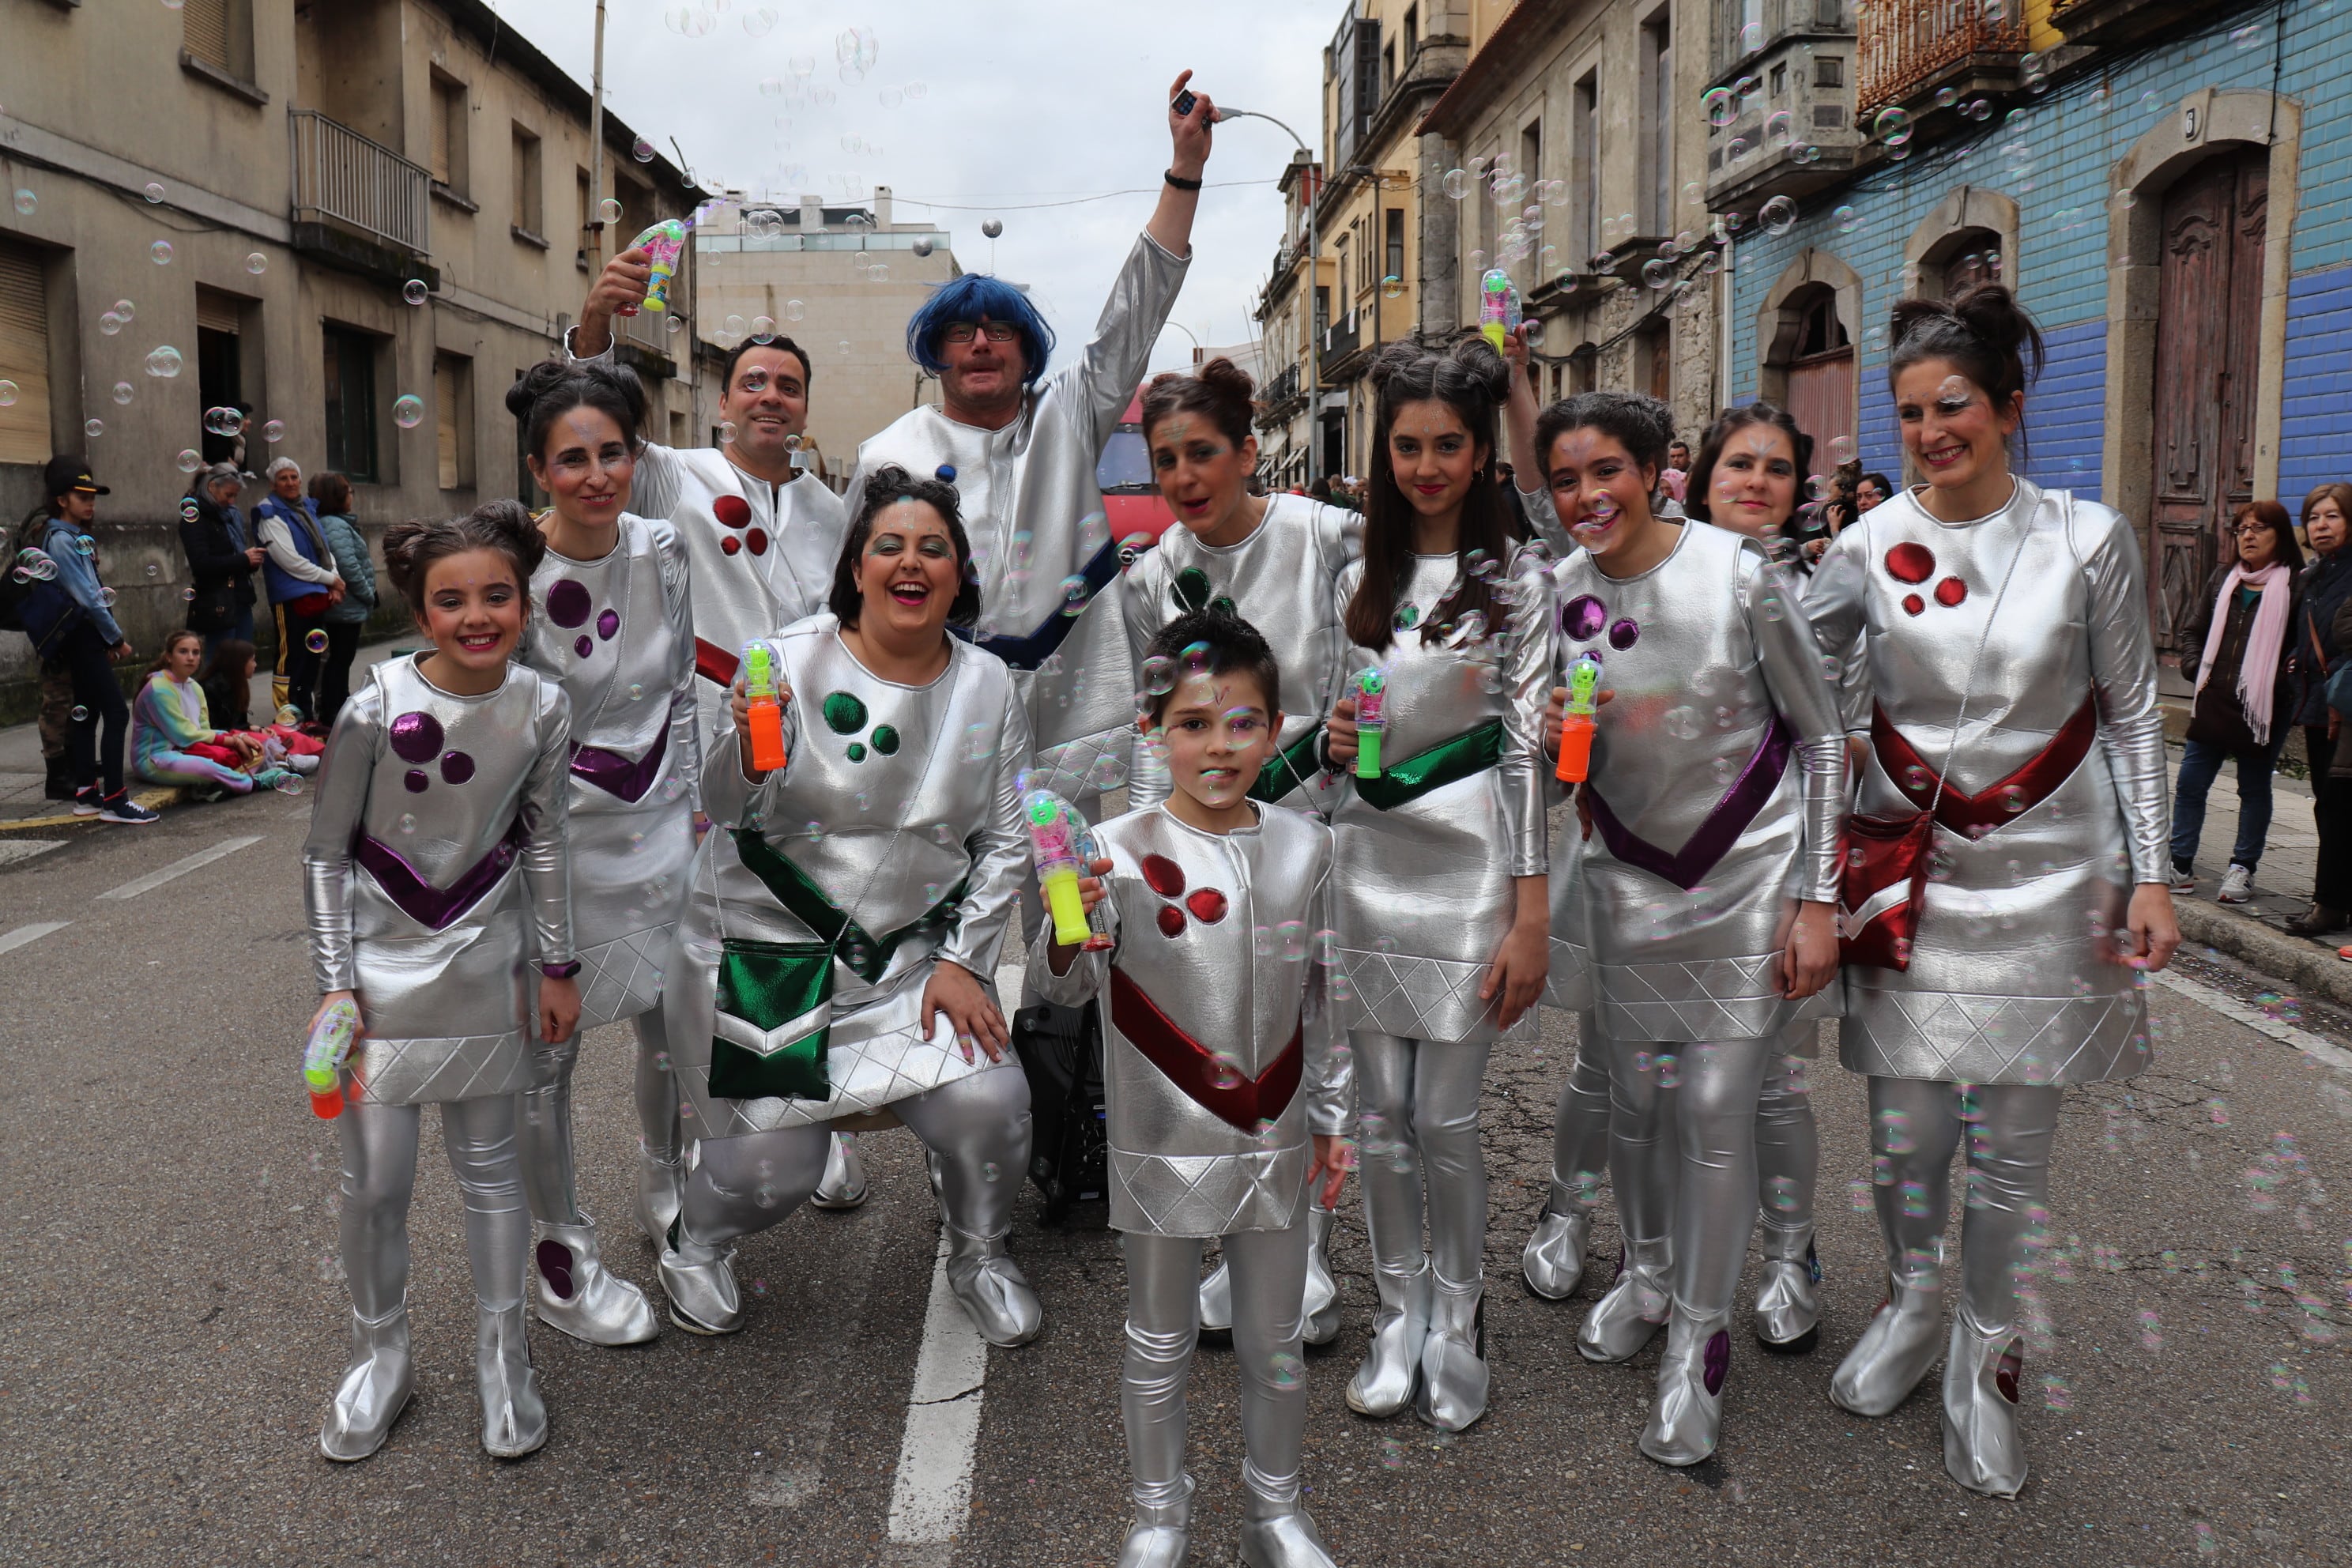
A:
1716, 793
1427, 858
2053, 805
1223, 1054
890, 841
434, 872
617, 634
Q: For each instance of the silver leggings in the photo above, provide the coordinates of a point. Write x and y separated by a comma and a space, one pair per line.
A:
379, 1146
1914, 1128
976, 1128
1698, 1100
544, 1132
1417, 1110
1268, 1269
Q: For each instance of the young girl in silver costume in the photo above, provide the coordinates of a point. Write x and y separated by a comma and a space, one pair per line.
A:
2005, 681
1276, 561
1445, 934
1716, 788
612, 626
847, 907
435, 877
1224, 1057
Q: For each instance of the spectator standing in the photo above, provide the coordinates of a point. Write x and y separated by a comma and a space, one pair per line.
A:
303, 586
56, 709
2320, 648
71, 621
2244, 706
1872, 492
222, 557
331, 495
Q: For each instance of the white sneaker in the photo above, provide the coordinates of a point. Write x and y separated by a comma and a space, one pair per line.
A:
2237, 887
2184, 883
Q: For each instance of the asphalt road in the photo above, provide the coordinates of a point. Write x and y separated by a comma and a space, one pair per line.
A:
170, 1321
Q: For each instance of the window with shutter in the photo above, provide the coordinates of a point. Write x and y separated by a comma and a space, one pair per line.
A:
205, 30
453, 401
24, 356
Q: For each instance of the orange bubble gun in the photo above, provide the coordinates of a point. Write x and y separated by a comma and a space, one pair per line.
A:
1576, 728
766, 707
324, 1054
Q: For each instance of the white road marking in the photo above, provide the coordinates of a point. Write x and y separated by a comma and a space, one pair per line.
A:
15, 849
11, 940
202, 857
931, 1497
2302, 1040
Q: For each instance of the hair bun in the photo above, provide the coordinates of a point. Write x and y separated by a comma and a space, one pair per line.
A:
534, 383
1228, 379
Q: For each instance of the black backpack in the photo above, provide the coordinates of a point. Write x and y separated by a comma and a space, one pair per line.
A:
14, 591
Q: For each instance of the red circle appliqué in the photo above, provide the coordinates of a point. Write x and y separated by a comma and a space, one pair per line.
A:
1208, 906
1951, 592
1910, 562
758, 540
1171, 920
1913, 604
732, 510
731, 544
1163, 876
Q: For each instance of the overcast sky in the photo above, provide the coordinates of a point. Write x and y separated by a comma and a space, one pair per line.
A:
1022, 103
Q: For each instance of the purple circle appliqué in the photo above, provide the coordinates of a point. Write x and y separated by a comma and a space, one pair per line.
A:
1625, 634
415, 779
456, 767
585, 646
568, 603
416, 737
1583, 616
608, 625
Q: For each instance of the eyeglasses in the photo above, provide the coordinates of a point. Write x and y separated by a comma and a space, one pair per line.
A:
2257, 530
998, 332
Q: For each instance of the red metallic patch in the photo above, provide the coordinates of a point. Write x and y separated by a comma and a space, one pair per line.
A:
1973, 816
1910, 562
1242, 1102
1208, 906
1171, 920
758, 540
1951, 592
735, 511
1163, 876
1912, 603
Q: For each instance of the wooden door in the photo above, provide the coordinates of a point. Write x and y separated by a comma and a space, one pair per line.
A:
2209, 317
1821, 378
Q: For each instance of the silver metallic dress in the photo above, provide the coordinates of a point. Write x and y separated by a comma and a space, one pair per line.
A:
1034, 514
435, 871
2054, 799
617, 635
897, 808
1282, 580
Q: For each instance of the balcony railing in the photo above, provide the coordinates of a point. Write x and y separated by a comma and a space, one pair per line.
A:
1341, 339
1281, 389
340, 176
1907, 45
649, 331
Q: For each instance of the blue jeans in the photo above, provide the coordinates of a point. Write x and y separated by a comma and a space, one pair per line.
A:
242, 629
2200, 766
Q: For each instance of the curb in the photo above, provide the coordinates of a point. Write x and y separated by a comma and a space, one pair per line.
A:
153, 799
2315, 970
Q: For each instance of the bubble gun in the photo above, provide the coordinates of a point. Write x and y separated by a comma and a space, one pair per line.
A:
324, 1054
1498, 309
662, 243
1372, 695
1057, 835
766, 707
1576, 728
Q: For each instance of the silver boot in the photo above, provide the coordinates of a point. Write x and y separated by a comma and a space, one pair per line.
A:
1687, 1419
374, 1390
842, 1185
1322, 1304
1635, 1307
661, 1190
1453, 1393
1384, 1380
1983, 1449
700, 1281
1280, 1535
1788, 1299
1893, 1354
1160, 1535
1552, 1262
580, 1297
514, 1418
992, 1290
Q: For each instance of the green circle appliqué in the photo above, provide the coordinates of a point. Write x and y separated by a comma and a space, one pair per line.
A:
856, 752
885, 740
844, 714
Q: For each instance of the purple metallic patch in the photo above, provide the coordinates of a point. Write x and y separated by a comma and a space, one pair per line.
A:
608, 625
619, 776
1688, 866
1583, 616
585, 646
416, 737
555, 1268
433, 908
1715, 1366
568, 603
456, 767
415, 779
1625, 634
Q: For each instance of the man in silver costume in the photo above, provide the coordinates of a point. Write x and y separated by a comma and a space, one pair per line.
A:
1224, 1057
2006, 689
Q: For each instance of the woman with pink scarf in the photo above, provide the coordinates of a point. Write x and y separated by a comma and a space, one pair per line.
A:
2242, 707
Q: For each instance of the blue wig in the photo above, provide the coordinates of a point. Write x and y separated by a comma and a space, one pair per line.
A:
968, 299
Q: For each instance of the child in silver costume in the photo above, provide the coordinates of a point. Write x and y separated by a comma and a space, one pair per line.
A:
1274, 561
613, 626
434, 875
1224, 1057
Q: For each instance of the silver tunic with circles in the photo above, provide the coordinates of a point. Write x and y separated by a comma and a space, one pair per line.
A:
886, 834
434, 868
1718, 771
2012, 976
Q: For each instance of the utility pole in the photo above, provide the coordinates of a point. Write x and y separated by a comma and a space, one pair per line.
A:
596, 145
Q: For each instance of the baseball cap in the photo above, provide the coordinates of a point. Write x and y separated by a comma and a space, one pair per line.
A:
67, 475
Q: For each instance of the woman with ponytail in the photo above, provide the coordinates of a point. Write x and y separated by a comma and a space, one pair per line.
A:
2002, 670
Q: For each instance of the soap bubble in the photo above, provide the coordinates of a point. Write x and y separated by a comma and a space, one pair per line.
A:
155, 191
26, 202
80, 715
642, 150
189, 460
415, 291
110, 324
408, 411
163, 361
316, 642
1457, 183
223, 421
1778, 216
1391, 287
122, 392
923, 246
93, 428
274, 432
257, 263
992, 227
162, 252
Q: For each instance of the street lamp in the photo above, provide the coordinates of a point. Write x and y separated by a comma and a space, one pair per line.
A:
1314, 269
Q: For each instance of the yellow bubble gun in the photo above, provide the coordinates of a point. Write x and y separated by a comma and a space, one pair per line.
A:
324, 1054
1056, 836
766, 707
1576, 728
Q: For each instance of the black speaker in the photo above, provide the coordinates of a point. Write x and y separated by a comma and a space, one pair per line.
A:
1060, 1051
